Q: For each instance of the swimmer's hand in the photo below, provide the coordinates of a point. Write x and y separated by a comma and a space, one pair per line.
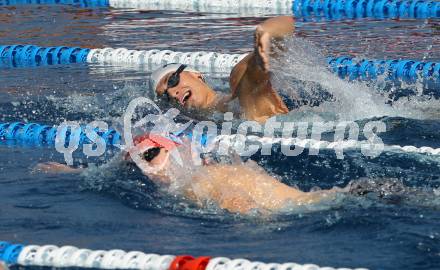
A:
55, 167
3, 266
268, 34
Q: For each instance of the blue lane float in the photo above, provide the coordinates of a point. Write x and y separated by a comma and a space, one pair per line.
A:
40, 134
31, 55
365, 69
380, 9
9, 253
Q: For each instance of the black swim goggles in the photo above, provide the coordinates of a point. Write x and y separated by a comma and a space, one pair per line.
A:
151, 153
174, 80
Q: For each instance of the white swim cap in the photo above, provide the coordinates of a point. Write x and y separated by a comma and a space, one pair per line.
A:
159, 73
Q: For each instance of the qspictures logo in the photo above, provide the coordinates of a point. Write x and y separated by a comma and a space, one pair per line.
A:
220, 138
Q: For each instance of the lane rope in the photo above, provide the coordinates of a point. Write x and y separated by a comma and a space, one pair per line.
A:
240, 7
69, 256
40, 134
379, 9
31, 55
37, 134
367, 69
79, 3
306, 9
364, 69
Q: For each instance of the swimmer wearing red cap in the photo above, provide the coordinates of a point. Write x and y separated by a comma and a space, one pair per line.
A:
250, 81
238, 188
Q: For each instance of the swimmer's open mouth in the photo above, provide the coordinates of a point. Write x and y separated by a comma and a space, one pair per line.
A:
185, 97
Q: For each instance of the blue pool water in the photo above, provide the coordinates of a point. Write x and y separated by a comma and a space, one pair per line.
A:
111, 213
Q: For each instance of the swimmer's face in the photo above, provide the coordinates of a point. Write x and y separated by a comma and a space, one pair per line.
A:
190, 92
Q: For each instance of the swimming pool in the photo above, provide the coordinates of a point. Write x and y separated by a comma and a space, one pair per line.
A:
63, 210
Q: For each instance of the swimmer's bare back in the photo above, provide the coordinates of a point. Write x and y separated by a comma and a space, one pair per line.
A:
239, 188
245, 187
250, 80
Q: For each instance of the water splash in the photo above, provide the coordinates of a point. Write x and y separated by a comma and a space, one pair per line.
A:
301, 70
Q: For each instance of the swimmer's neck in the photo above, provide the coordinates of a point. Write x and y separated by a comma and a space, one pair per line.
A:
218, 101
211, 98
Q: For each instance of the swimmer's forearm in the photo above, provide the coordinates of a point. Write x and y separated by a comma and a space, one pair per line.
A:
319, 196
73, 170
54, 167
278, 27
3, 266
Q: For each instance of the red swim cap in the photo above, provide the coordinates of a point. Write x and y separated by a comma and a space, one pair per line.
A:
147, 141
153, 140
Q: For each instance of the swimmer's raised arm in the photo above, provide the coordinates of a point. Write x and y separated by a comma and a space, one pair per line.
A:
250, 80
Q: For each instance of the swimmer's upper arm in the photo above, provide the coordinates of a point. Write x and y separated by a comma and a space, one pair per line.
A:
248, 78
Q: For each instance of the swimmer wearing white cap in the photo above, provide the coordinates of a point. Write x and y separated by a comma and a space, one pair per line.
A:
249, 80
